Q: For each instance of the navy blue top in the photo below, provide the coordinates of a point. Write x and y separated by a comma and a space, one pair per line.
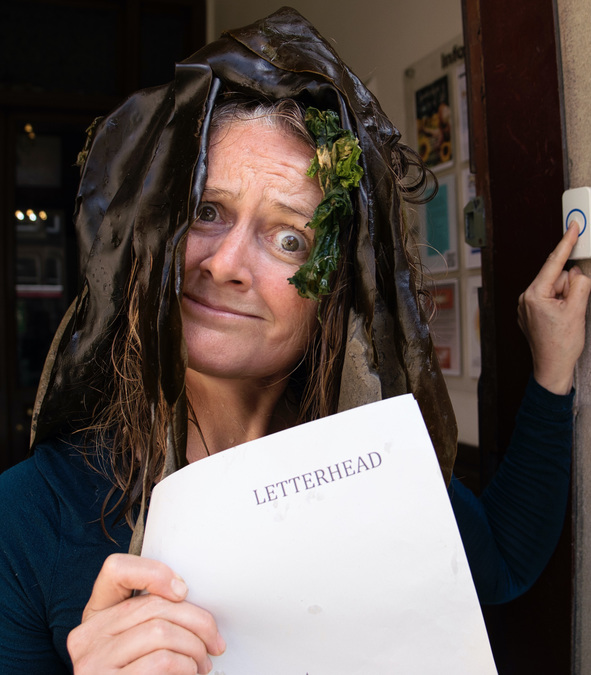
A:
52, 549
53, 546
511, 531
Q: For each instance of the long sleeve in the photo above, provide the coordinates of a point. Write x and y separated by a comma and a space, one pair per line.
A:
28, 556
510, 532
51, 549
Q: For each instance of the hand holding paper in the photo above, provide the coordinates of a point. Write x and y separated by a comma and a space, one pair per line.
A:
155, 630
327, 549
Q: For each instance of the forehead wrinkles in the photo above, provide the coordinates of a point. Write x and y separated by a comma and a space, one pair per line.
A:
252, 156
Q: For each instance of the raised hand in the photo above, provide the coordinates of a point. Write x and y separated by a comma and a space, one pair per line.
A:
551, 314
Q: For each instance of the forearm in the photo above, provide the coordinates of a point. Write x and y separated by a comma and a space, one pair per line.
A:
511, 531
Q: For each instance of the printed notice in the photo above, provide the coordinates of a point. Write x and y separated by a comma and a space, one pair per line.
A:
446, 326
327, 549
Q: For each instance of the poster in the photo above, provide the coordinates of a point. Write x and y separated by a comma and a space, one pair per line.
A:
327, 549
434, 124
439, 223
445, 327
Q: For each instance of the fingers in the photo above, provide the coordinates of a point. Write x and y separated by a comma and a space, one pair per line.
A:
580, 285
152, 608
573, 287
555, 262
164, 662
121, 574
155, 632
572, 277
551, 314
561, 285
147, 630
574, 272
166, 637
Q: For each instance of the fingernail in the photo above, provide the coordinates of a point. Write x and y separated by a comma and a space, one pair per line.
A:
221, 644
179, 587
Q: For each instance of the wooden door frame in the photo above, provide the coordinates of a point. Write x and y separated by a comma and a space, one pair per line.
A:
517, 153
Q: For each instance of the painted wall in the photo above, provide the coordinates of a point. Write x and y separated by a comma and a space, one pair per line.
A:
377, 40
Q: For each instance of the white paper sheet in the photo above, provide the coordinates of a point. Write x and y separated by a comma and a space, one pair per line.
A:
327, 549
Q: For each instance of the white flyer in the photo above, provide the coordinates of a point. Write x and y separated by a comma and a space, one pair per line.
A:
327, 549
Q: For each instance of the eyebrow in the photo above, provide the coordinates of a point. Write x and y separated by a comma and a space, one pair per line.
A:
220, 193
291, 209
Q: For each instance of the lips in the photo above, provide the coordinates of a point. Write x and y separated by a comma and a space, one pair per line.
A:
217, 308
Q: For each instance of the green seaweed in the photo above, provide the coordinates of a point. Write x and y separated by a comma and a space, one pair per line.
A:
338, 171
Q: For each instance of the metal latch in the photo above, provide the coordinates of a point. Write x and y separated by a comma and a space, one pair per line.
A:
474, 226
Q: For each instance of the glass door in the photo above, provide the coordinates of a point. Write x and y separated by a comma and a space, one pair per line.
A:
43, 264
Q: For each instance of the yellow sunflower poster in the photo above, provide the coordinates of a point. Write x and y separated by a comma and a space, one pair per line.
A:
434, 123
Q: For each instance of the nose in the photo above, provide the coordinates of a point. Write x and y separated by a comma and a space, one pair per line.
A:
229, 258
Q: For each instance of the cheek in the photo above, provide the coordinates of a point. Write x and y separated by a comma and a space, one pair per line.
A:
192, 253
301, 317
295, 317
197, 250
309, 314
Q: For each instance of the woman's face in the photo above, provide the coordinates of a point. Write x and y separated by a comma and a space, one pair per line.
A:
241, 317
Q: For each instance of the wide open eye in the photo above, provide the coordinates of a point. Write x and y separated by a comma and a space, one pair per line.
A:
207, 213
291, 241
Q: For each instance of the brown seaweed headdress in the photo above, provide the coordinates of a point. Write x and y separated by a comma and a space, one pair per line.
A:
140, 187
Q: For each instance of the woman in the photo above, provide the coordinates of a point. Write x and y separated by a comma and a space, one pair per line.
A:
187, 338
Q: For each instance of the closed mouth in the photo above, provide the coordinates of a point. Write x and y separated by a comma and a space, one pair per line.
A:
218, 309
